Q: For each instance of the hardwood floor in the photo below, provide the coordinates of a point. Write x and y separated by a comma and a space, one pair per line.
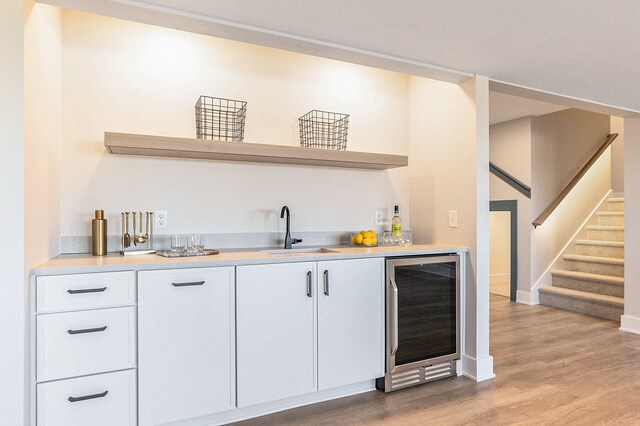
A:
552, 367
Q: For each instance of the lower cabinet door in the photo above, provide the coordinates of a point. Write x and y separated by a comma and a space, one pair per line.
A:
104, 399
186, 347
275, 331
350, 321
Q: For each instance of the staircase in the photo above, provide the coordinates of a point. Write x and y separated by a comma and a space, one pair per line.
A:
592, 282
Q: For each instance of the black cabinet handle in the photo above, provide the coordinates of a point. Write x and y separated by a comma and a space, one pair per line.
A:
309, 284
87, 290
326, 282
187, 284
87, 330
86, 397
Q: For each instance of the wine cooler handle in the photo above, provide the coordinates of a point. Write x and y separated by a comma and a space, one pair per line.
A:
394, 319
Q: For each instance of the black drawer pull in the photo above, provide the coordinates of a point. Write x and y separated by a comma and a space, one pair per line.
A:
84, 398
87, 290
187, 284
87, 330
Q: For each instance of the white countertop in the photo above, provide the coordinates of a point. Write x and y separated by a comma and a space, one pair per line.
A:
84, 263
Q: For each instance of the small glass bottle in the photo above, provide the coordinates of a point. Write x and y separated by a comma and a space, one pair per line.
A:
396, 224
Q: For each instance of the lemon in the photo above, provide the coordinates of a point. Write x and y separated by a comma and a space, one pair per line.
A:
371, 234
366, 242
358, 239
353, 239
374, 241
363, 233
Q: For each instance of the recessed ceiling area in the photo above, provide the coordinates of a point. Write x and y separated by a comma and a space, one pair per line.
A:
504, 107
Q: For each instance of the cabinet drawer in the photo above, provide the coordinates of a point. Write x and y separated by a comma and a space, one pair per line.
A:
84, 291
104, 399
76, 343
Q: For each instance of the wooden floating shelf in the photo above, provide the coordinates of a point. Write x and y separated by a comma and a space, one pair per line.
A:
162, 146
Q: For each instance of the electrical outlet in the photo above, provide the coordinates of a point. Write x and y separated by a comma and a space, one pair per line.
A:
378, 218
453, 218
160, 219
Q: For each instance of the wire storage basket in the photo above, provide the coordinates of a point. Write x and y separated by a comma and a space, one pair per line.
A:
323, 129
220, 119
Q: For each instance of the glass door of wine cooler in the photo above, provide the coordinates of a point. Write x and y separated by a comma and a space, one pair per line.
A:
423, 311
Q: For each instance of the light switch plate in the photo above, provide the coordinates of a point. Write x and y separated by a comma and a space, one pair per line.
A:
379, 218
453, 218
160, 219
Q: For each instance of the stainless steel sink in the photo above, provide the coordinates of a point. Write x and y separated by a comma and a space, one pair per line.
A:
295, 251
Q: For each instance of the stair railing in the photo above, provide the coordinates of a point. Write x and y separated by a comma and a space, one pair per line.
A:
585, 168
510, 180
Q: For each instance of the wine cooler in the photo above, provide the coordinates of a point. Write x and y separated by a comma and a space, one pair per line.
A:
423, 320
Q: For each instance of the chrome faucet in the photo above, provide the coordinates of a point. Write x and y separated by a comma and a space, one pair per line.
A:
288, 241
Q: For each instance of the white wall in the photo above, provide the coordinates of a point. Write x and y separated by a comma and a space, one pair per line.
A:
511, 151
43, 132
510, 144
500, 243
617, 156
12, 284
449, 168
630, 321
129, 77
562, 142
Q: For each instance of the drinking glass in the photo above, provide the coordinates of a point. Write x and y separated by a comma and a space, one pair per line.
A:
195, 243
387, 238
406, 239
177, 243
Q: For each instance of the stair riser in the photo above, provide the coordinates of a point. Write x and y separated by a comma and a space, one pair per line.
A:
595, 268
605, 235
589, 286
611, 220
582, 306
616, 207
602, 251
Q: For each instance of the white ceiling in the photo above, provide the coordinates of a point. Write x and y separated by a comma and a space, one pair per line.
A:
585, 49
506, 107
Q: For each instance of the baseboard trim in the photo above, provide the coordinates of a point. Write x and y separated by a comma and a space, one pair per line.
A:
630, 324
478, 370
503, 278
528, 297
245, 413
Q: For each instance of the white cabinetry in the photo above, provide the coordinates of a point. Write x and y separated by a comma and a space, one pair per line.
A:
185, 343
275, 331
85, 326
85, 342
99, 400
300, 329
350, 321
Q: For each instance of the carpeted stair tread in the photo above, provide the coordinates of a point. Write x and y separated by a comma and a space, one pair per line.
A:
616, 200
601, 243
610, 213
585, 276
594, 259
601, 299
605, 227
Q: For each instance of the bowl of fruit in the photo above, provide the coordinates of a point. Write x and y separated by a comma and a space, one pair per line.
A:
365, 239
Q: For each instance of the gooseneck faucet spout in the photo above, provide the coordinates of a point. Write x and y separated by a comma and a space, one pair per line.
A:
288, 241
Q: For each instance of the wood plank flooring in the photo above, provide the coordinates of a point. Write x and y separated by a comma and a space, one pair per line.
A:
552, 367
